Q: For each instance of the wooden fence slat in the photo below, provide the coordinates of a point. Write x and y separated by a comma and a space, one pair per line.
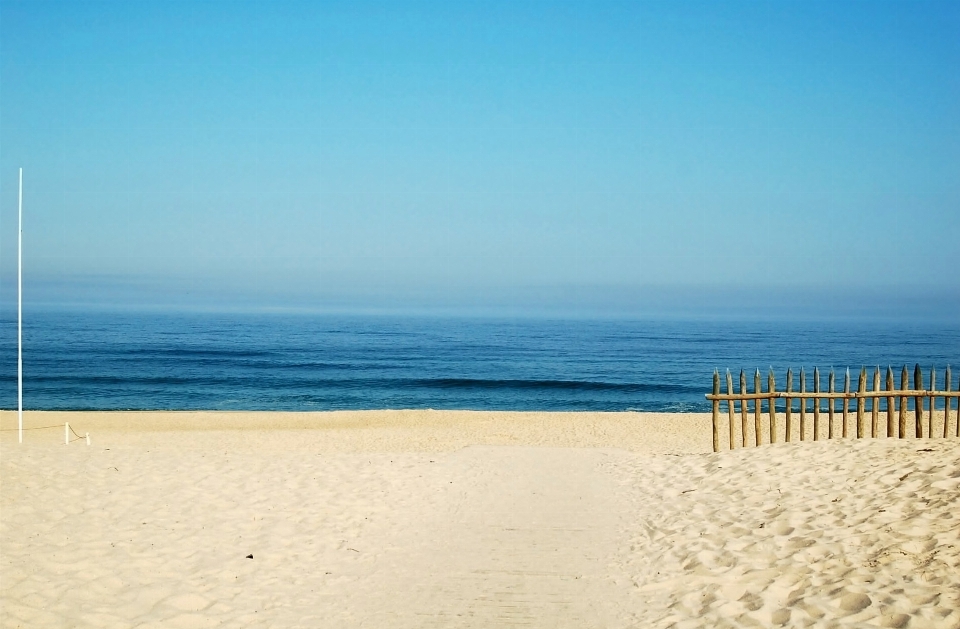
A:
903, 403
832, 382
918, 402
803, 406
861, 402
946, 405
756, 405
730, 409
933, 400
891, 403
875, 407
846, 405
788, 430
743, 409
957, 424
772, 406
716, 410
816, 404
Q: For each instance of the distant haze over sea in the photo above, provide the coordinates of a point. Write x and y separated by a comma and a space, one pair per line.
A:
285, 294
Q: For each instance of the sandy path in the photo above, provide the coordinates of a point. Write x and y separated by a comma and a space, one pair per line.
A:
486, 536
518, 537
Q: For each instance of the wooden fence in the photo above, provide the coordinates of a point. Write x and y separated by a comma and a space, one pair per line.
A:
882, 400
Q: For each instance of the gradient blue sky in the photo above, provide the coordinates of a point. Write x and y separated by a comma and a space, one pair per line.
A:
601, 157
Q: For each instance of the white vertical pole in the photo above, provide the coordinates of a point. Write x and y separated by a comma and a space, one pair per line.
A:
66, 433
20, 310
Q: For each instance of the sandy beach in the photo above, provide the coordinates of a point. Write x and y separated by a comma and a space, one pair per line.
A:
468, 519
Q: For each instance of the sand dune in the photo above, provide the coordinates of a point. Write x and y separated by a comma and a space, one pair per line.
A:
436, 519
844, 533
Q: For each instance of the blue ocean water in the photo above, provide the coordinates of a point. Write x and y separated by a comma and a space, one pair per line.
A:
113, 361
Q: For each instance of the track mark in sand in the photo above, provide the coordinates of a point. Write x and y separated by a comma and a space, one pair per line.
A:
511, 543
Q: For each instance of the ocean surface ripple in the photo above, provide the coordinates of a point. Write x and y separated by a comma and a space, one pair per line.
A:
137, 361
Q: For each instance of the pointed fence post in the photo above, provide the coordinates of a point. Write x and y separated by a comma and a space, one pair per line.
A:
875, 404
816, 404
891, 404
933, 400
789, 427
716, 410
861, 401
772, 406
832, 381
730, 410
803, 406
743, 409
957, 425
947, 403
904, 385
918, 401
756, 406
846, 407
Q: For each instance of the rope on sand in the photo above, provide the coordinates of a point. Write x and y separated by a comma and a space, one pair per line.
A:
66, 425
34, 428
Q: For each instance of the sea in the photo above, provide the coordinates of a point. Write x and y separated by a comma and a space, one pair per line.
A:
302, 362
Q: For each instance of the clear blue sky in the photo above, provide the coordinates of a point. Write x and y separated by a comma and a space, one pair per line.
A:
445, 154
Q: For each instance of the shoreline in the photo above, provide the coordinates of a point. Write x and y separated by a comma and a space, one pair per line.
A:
386, 430
430, 430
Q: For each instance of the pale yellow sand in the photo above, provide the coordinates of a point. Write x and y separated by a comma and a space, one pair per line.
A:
437, 519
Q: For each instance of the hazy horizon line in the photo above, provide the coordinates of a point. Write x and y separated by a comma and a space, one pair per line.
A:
576, 300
